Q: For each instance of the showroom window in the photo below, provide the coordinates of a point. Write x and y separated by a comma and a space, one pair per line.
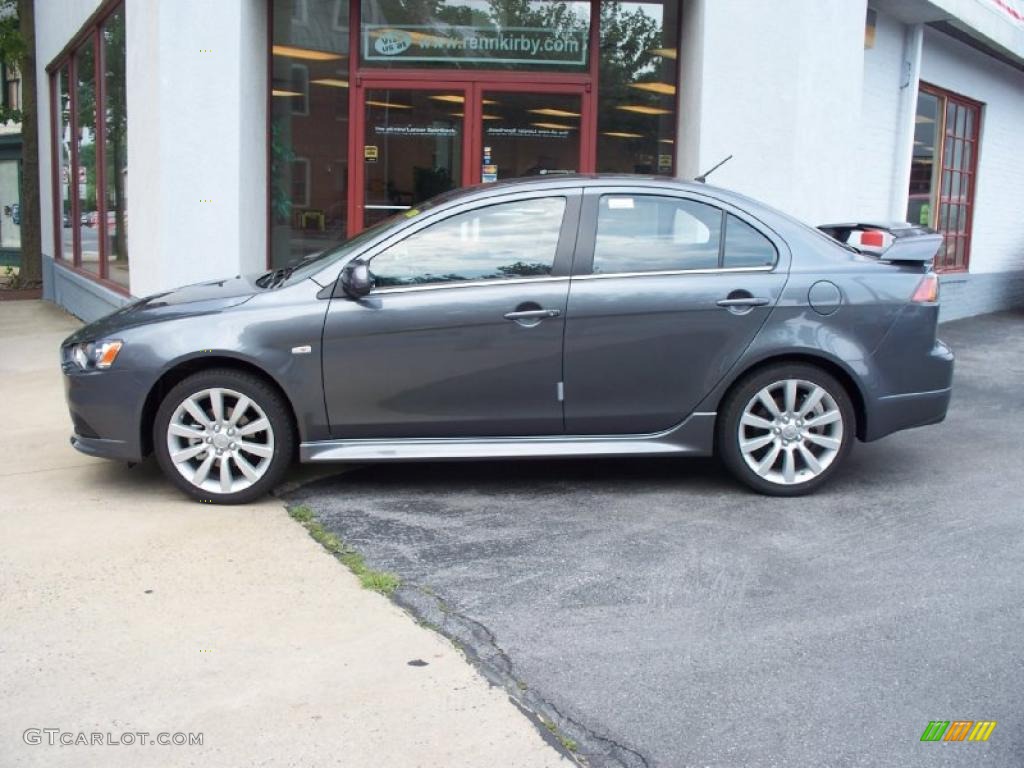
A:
943, 169
394, 101
90, 151
309, 127
638, 72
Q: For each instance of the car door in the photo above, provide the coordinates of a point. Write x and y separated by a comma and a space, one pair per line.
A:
668, 290
462, 333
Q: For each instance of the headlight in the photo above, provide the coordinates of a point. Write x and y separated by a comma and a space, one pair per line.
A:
90, 355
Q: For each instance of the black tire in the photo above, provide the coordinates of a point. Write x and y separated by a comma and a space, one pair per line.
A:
743, 393
266, 398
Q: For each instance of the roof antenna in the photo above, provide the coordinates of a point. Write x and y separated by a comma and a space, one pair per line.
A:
704, 176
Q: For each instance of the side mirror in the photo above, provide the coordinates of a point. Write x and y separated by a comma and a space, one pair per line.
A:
356, 279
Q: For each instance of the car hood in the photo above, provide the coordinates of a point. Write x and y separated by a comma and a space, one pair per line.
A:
188, 301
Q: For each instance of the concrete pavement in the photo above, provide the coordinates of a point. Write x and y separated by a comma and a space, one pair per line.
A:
126, 608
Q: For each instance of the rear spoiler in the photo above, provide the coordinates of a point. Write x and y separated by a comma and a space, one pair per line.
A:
907, 243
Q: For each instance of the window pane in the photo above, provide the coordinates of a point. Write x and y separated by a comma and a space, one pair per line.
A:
547, 35
530, 134
412, 148
64, 160
745, 246
85, 135
309, 127
637, 87
651, 234
509, 240
924, 170
10, 204
115, 116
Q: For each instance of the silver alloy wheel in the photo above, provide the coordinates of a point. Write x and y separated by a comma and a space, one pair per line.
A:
790, 431
220, 440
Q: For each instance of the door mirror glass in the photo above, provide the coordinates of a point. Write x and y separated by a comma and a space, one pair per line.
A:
356, 279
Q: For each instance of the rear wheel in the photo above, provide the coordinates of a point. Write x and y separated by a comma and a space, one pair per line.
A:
224, 436
786, 429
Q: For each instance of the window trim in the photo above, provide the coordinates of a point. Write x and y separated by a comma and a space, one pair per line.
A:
90, 32
944, 96
583, 267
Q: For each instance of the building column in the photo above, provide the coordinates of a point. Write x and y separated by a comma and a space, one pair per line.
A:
909, 81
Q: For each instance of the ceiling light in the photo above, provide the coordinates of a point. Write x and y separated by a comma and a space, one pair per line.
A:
334, 82
663, 88
923, 119
280, 92
640, 109
491, 117
387, 104
450, 97
555, 126
668, 53
551, 112
666, 141
305, 53
623, 135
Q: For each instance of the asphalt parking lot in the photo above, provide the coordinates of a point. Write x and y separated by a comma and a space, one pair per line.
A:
668, 617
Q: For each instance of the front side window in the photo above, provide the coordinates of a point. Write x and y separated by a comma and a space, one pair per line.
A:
504, 241
646, 233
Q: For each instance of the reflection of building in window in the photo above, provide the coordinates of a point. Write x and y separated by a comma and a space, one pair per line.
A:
942, 171
10, 205
300, 182
12, 87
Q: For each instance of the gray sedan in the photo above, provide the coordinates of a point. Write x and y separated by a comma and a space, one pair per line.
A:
555, 317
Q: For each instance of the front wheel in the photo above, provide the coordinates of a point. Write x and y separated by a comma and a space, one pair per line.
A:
224, 436
786, 429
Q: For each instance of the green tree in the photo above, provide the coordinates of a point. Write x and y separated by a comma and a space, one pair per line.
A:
18, 51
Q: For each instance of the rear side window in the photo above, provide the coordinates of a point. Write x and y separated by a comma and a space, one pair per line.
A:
745, 246
647, 233
504, 241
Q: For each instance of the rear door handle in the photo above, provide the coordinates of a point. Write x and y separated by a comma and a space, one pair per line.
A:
748, 301
532, 314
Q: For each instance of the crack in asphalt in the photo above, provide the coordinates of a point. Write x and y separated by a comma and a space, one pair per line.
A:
482, 650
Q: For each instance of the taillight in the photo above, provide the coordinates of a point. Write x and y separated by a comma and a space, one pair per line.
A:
927, 290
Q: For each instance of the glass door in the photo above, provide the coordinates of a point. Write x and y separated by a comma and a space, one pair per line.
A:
529, 133
420, 139
412, 147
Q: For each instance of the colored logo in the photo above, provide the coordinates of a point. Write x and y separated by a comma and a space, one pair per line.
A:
391, 42
958, 730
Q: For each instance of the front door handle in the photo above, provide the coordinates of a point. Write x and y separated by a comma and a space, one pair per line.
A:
747, 301
532, 314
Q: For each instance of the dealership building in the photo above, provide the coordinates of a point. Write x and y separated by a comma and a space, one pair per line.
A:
188, 140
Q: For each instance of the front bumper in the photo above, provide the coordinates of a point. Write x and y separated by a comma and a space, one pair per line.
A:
106, 411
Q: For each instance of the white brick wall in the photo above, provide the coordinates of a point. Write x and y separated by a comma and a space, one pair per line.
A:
998, 231
878, 138
780, 88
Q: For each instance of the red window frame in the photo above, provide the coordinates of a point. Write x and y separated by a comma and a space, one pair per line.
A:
952, 146
92, 31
